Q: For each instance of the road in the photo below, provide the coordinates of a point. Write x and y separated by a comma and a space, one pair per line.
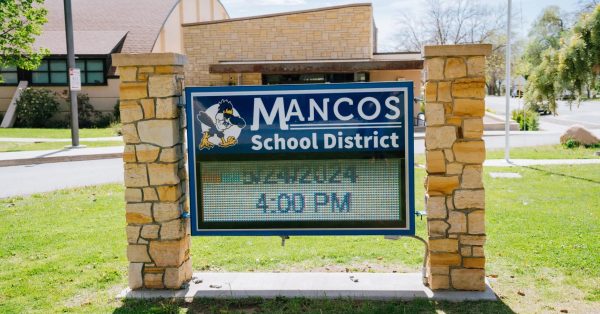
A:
25, 180
586, 114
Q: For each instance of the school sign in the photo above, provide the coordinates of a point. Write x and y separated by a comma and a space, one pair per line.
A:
321, 159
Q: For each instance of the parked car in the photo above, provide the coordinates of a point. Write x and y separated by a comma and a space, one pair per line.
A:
541, 108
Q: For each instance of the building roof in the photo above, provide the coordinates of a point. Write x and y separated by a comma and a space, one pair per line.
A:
86, 42
98, 24
263, 16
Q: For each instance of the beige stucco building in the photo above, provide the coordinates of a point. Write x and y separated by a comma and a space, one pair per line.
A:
100, 29
326, 45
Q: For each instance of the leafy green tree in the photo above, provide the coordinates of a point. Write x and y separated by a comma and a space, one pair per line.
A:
544, 86
579, 60
20, 22
544, 34
540, 60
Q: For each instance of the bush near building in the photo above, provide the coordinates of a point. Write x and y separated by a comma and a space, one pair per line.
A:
36, 107
88, 116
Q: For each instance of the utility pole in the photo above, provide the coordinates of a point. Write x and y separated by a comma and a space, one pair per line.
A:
507, 80
72, 74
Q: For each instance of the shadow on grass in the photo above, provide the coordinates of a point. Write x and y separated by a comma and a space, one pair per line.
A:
303, 305
561, 174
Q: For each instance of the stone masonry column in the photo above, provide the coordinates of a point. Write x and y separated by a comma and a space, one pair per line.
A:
155, 175
455, 151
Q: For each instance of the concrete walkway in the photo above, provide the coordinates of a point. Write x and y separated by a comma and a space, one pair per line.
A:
61, 140
60, 155
534, 162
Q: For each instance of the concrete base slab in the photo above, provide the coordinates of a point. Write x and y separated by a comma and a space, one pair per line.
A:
373, 286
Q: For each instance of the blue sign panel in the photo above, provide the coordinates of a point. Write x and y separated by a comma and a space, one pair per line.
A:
318, 159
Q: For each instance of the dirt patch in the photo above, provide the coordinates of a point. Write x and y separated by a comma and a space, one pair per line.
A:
547, 292
355, 268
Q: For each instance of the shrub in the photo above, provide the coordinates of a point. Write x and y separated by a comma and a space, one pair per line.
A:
116, 113
527, 120
116, 128
58, 123
87, 115
571, 143
86, 112
103, 120
35, 107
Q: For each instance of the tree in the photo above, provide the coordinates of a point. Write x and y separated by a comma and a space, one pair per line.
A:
544, 34
539, 62
588, 5
448, 22
559, 59
579, 58
544, 85
496, 65
20, 22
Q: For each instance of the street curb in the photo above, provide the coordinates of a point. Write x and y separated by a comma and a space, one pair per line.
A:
48, 160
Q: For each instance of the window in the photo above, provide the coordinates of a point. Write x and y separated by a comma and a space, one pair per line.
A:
308, 78
8, 76
51, 72
92, 71
56, 72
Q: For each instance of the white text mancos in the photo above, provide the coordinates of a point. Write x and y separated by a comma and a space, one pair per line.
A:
341, 109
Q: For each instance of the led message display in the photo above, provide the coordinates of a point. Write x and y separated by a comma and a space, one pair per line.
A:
301, 160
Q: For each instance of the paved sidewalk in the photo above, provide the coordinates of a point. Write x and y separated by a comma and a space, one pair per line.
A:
60, 155
65, 140
533, 162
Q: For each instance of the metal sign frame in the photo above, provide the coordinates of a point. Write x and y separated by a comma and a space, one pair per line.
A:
404, 156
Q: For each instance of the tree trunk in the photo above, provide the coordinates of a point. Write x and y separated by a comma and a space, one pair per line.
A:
588, 92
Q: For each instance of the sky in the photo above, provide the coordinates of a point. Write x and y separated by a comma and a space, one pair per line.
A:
387, 12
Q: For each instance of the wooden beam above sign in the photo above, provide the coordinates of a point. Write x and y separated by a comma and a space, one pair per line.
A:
315, 67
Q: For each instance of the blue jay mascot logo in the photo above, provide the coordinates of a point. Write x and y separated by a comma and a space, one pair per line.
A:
221, 125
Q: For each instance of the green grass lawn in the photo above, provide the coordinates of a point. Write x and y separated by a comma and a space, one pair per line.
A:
65, 252
55, 133
22, 146
545, 152
536, 152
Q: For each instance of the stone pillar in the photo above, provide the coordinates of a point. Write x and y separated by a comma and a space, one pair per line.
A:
455, 151
155, 174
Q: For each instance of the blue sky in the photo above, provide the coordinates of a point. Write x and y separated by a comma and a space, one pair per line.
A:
387, 12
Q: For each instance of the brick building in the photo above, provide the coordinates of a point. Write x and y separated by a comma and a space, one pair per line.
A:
325, 45
333, 44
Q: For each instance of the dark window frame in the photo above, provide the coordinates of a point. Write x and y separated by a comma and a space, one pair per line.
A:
16, 71
85, 72
25, 75
49, 72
